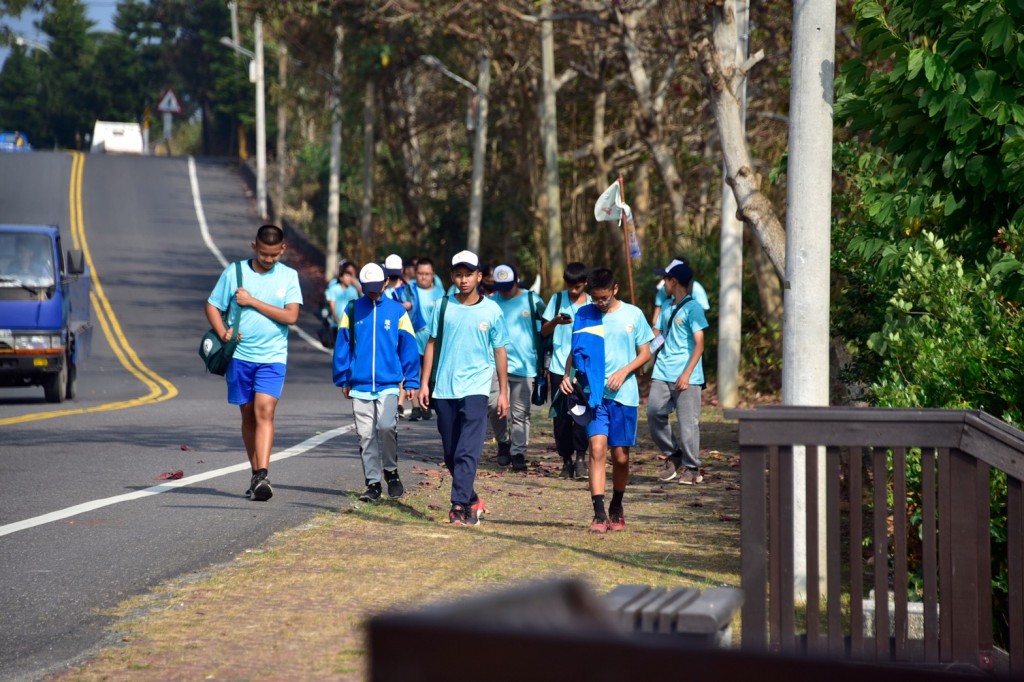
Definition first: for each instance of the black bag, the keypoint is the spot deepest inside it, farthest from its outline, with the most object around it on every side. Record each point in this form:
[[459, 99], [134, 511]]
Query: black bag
[[216, 354], [543, 346]]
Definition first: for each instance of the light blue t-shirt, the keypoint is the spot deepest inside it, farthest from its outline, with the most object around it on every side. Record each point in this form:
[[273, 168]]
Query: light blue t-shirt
[[263, 340], [561, 338], [341, 295], [428, 300], [471, 333], [679, 345], [661, 299], [522, 331], [624, 329]]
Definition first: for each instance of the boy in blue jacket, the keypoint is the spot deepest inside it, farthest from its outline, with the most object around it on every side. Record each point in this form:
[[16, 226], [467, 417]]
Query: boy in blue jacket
[[374, 354]]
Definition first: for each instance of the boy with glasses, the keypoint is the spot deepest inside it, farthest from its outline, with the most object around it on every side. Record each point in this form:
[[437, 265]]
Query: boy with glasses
[[611, 341]]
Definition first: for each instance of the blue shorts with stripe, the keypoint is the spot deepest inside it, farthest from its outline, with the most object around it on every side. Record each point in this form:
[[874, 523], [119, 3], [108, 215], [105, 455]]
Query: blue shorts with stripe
[[616, 421], [246, 379]]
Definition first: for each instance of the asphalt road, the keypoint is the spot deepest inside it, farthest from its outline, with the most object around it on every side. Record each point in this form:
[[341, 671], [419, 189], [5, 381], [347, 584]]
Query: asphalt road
[[135, 420]]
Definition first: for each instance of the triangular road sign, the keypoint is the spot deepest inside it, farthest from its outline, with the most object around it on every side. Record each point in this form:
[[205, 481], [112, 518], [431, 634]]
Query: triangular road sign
[[169, 103]]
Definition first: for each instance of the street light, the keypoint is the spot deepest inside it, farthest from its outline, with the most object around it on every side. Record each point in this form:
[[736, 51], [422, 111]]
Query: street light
[[261, 112], [22, 41], [480, 90]]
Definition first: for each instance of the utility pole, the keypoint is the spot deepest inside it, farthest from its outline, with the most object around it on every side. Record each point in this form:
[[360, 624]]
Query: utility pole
[[549, 137], [282, 128], [476, 193], [334, 183], [233, 6], [730, 292], [261, 125], [805, 332]]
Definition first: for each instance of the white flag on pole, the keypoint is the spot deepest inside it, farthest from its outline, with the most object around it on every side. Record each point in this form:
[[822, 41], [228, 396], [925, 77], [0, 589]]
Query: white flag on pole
[[608, 206]]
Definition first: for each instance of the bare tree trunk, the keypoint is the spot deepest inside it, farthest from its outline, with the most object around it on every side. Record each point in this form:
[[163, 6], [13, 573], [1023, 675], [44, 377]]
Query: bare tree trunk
[[366, 209], [650, 121], [725, 79], [549, 138], [769, 288], [334, 179], [282, 132]]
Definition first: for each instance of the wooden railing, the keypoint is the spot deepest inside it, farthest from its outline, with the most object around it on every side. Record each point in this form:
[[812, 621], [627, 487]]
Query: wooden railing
[[941, 540]]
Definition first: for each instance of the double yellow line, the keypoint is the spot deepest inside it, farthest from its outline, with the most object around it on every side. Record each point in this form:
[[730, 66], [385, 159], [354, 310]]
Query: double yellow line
[[159, 389]]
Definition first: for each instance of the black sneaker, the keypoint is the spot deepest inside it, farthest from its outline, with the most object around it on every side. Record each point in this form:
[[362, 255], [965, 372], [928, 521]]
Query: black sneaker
[[582, 467], [426, 414], [415, 415], [372, 494], [504, 454], [518, 463], [261, 492], [568, 468], [395, 487], [252, 484]]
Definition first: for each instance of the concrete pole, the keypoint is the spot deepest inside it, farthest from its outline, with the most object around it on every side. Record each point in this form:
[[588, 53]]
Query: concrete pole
[[369, 139], [549, 138], [261, 125], [233, 7], [334, 181], [805, 333], [282, 130], [730, 292], [476, 193]]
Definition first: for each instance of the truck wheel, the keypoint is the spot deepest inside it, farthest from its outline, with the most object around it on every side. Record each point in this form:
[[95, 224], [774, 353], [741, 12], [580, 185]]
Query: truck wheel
[[56, 385], [71, 391]]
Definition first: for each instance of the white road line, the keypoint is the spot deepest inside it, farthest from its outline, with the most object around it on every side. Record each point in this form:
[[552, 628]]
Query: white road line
[[302, 447], [205, 230]]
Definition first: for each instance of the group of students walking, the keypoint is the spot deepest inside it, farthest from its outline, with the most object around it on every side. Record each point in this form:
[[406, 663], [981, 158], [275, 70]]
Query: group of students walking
[[482, 352]]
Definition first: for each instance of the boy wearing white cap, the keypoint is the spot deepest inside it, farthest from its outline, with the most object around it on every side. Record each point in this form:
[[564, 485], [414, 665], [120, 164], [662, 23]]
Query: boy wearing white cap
[[466, 347], [678, 377], [522, 310], [375, 357]]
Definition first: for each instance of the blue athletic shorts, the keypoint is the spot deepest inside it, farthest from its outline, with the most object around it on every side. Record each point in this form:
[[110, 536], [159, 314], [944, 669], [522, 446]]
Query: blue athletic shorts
[[616, 421], [246, 379]]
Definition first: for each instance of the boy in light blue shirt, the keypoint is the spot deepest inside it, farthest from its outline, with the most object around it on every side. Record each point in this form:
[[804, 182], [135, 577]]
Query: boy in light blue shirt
[[269, 297], [617, 335], [678, 378], [466, 347], [522, 312], [570, 437], [429, 292]]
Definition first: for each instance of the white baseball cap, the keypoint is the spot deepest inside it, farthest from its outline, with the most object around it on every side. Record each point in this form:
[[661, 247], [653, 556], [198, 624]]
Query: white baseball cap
[[372, 278], [505, 278], [393, 265], [466, 258]]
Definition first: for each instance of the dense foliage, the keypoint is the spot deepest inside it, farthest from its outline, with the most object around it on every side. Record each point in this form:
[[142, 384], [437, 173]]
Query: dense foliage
[[928, 256]]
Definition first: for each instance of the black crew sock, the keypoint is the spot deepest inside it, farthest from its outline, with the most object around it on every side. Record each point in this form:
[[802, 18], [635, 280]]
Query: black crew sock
[[617, 500], [262, 473], [599, 511]]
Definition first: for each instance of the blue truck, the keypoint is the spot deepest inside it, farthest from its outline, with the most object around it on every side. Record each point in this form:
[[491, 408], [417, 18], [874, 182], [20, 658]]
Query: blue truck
[[45, 327]]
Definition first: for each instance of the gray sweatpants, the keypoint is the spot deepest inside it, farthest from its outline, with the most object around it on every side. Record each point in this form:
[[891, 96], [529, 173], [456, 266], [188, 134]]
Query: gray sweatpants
[[662, 401], [377, 426], [514, 428]]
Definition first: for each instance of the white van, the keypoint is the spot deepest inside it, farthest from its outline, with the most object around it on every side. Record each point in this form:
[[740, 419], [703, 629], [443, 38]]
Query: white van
[[110, 137]]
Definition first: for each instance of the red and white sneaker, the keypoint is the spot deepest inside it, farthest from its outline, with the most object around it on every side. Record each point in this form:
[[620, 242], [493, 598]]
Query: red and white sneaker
[[478, 509], [599, 525], [616, 520]]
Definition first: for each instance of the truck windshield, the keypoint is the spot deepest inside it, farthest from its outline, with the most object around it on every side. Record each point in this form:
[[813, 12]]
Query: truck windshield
[[26, 262]]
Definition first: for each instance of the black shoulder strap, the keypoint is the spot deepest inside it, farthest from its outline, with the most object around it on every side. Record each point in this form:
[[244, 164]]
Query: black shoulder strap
[[676, 309], [437, 342], [350, 313], [558, 303]]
